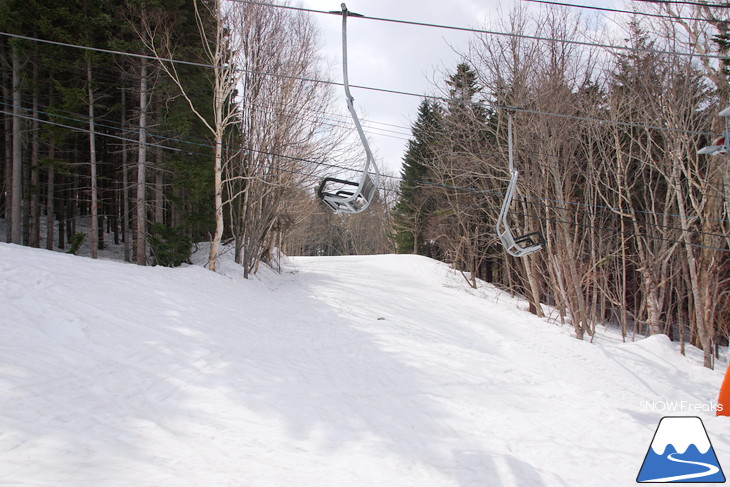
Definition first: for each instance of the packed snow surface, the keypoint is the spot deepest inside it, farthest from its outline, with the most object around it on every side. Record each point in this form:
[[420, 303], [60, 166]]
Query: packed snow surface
[[350, 371]]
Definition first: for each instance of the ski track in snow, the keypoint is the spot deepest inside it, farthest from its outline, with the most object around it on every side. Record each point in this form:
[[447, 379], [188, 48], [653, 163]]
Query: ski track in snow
[[357, 371]]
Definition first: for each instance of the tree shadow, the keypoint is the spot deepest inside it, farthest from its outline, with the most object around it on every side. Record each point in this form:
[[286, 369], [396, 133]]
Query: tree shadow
[[309, 381]]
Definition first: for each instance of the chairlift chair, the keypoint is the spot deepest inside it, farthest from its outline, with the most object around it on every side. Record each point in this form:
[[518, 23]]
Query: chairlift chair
[[522, 245], [721, 145], [342, 195]]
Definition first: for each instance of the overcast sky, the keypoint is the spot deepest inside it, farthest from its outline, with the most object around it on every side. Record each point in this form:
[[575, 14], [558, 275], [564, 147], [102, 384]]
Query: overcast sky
[[401, 57]]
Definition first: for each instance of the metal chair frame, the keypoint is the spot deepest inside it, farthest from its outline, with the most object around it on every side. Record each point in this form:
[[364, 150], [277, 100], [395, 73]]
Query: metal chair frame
[[721, 145], [514, 245], [351, 196]]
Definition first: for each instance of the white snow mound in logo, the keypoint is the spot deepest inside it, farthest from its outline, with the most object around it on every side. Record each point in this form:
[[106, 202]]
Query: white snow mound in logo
[[680, 432]]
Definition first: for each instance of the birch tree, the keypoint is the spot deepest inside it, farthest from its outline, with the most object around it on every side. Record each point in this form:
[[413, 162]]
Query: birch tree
[[218, 47]]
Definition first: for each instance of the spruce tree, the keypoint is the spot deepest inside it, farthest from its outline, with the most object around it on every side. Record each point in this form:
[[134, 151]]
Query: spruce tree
[[465, 119], [413, 207]]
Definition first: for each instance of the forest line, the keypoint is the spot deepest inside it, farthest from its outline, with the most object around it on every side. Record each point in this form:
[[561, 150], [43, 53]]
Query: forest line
[[227, 147]]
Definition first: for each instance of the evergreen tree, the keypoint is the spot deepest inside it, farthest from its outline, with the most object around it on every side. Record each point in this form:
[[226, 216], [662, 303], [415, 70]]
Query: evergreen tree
[[414, 204], [465, 120], [459, 225], [53, 149]]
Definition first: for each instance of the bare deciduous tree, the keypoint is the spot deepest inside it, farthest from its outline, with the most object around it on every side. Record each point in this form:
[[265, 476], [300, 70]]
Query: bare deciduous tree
[[218, 45], [283, 132]]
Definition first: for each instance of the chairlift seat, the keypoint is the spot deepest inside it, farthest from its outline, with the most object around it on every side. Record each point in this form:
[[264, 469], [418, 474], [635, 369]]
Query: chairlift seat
[[343, 200], [522, 245], [719, 147]]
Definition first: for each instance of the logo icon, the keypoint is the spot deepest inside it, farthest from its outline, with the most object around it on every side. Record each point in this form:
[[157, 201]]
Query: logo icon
[[681, 452]]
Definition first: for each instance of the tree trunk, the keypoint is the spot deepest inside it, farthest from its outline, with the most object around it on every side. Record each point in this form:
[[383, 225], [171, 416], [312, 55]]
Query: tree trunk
[[50, 185], [17, 173], [534, 286], [704, 329], [35, 204], [50, 196], [220, 113], [63, 201], [94, 228], [159, 189], [142, 169], [726, 186], [218, 181], [8, 166], [125, 183], [653, 308]]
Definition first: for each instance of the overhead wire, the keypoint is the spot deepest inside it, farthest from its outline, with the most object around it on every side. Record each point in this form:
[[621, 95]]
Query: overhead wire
[[555, 205], [391, 91], [493, 32], [338, 119], [588, 119], [188, 152], [611, 10], [166, 147], [365, 87], [197, 142], [156, 134], [603, 228], [687, 2], [85, 130], [205, 144], [537, 201]]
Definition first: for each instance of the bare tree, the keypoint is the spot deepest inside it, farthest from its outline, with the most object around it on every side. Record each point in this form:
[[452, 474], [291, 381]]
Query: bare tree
[[696, 182], [217, 44], [283, 129]]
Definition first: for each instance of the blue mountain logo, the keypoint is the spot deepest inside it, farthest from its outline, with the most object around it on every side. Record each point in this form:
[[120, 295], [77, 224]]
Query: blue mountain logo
[[681, 452]]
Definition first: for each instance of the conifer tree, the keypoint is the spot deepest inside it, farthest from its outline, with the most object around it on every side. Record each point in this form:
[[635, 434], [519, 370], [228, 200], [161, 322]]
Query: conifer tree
[[461, 227], [465, 119], [413, 207]]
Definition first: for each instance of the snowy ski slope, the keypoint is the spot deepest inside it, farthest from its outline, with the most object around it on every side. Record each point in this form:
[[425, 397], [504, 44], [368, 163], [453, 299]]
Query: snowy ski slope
[[351, 371]]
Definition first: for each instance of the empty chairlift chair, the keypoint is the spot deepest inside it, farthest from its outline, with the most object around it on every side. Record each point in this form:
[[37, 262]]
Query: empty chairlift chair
[[342, 195], [721, 145], [522, 245]]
